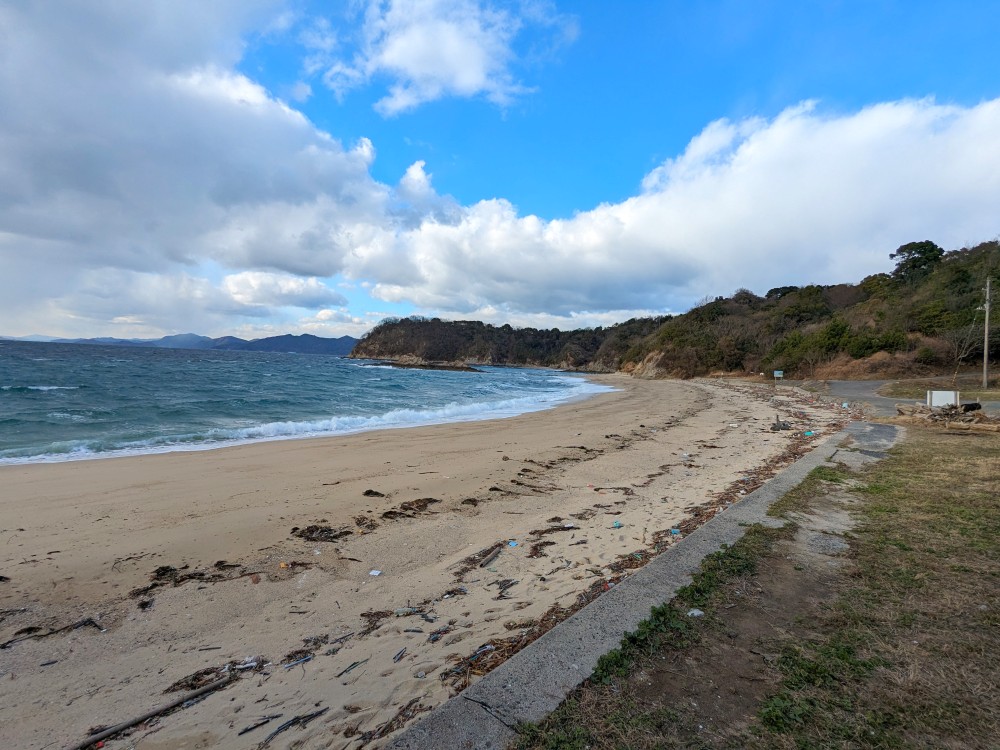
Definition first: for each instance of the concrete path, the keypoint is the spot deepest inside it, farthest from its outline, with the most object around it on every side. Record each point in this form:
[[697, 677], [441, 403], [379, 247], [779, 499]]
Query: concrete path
[[533, 682]]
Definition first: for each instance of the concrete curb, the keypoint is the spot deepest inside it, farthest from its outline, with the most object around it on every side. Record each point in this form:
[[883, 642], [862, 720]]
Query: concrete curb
[[533, 682]]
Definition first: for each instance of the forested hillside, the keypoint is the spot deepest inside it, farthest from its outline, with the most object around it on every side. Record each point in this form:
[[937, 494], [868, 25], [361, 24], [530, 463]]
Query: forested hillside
[[924, 317]]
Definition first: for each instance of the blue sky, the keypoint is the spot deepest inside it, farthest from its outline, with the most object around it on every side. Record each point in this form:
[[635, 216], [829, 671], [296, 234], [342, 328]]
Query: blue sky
[[265, 166]]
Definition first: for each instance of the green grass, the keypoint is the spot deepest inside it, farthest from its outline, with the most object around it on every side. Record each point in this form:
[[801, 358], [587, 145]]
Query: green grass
[[906, 646], [668, 626], [798, 498]]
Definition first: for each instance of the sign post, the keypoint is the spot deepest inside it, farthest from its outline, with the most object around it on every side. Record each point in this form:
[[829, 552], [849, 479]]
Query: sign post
[[778, 375]]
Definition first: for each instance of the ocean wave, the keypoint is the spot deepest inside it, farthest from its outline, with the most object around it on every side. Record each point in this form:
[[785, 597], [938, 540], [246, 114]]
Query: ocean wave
[[26, 388], [574, 388]]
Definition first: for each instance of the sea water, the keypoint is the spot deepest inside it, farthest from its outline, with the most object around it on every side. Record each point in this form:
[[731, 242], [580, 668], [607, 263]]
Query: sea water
[[71, 401]]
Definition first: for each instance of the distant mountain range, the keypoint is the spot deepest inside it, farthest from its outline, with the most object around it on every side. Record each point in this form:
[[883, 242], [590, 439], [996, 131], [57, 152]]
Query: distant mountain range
[[302, 344]]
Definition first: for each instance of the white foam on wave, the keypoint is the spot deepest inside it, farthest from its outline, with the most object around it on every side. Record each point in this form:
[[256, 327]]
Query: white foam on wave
[[39, 387], [577, 389]]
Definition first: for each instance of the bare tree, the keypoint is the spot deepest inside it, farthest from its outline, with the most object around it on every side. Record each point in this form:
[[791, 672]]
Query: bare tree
[[961, 343]]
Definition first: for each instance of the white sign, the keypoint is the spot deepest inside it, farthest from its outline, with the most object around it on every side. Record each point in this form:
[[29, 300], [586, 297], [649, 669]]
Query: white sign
[[943, 398]]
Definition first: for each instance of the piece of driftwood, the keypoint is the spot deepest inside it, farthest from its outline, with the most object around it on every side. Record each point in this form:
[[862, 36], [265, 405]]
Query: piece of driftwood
[[36, 633], [110, 731], [300, 720], [972, 427], [491, 557], [259, 723]]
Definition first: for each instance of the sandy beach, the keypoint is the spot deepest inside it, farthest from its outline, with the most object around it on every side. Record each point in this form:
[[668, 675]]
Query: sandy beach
[[182, 568]]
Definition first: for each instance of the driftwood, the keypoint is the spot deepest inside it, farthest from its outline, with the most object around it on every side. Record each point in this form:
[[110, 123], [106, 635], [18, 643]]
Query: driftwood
[[300, 720], [969, 413], [972, 427], [103, 735], [491, 557], [36, 633]]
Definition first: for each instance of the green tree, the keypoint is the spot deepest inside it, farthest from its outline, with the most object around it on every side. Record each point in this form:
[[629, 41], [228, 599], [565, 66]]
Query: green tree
[[916, 259]]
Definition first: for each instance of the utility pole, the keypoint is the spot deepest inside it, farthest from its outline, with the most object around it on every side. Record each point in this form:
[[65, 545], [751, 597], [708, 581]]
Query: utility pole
[[986, 338]]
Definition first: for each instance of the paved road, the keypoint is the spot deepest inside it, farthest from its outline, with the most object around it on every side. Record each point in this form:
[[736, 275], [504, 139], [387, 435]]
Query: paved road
[[865, 391]]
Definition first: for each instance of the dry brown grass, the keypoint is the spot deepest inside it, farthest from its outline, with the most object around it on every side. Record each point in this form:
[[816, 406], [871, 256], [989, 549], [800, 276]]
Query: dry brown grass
[[970, 385]]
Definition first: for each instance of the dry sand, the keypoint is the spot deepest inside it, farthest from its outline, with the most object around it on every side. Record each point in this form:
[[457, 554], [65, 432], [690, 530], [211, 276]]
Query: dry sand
[[78, 539]]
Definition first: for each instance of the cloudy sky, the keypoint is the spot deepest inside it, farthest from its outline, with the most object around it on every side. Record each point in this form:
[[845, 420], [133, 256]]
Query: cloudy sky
[[254, 167]]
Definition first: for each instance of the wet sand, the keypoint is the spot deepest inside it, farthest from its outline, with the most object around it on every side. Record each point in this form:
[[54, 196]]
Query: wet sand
[[188, 561]]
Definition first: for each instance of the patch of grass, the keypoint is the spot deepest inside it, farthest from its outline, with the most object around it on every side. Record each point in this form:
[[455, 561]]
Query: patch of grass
[[836, 475], [905, 651], [668, 626], [578, 724], [798, 498], [970, 387]]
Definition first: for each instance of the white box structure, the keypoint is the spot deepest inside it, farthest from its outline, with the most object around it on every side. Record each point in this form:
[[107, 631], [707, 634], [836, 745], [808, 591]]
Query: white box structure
[[943, 398]]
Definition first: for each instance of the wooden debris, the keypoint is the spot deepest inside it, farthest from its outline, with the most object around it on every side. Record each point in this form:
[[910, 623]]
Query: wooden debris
[[492, 556], [366, 523], [261, 722], [474, 560], [537, 547], [111, 731], [552, 530], [404, 714], [301, 721], [316, 533], [353, 666], [32, 632], [374, 620]]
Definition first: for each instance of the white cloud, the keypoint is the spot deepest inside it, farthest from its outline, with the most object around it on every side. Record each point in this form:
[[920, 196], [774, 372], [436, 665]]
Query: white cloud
[[432, 49], [499, 316], [280, 290], [148, 187], [129, 304], [300, 92], [129, 145], [806, 197]]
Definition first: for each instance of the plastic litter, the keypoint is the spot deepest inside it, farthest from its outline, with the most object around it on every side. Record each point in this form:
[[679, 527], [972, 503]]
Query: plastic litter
[[303, 660], [695, 613], [512, 543], [675, 532], [374, 572], [808, 433], [617, 524]]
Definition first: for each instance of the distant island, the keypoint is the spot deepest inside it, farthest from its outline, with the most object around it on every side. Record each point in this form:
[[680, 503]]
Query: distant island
[[302, 344]]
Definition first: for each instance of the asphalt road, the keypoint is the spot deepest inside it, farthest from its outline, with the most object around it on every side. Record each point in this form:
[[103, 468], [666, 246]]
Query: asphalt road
[[865, 391]]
